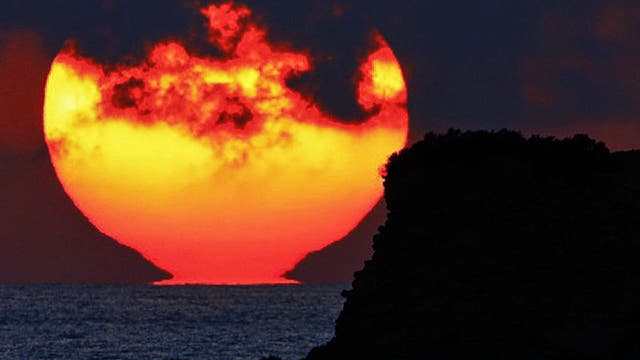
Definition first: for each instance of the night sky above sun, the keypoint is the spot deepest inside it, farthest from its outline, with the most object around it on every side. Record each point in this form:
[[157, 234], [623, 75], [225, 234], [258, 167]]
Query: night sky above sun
[[212, 167], [222, 142]]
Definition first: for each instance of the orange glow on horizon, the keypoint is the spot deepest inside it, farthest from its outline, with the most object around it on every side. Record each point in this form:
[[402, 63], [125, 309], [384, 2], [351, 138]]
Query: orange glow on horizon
[[213, 168]]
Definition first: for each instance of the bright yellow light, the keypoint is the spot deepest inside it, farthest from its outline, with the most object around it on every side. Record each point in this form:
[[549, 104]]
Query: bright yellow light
[[214, 169]]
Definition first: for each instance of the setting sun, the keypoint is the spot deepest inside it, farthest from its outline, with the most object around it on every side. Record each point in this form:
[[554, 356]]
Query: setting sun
[[213, 168]]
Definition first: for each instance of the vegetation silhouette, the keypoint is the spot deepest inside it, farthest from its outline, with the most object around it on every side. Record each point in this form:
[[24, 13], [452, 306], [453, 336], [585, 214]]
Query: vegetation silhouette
[[502, 247]]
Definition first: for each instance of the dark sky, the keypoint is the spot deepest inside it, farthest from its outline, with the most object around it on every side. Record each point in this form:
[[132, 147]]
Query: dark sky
[[554, 67]]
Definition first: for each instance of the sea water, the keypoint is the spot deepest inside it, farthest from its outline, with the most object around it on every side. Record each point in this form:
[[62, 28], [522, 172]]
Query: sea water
[[165, 322]]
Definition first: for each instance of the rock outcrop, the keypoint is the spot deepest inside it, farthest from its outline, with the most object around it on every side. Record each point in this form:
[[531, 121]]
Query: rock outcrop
[[44, 238], [501, 247]]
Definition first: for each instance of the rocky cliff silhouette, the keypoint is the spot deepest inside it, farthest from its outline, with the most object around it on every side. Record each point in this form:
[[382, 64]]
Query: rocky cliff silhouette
[[496, 246]]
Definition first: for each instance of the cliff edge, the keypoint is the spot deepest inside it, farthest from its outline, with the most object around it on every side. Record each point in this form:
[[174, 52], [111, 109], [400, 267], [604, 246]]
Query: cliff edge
[[501, 246]]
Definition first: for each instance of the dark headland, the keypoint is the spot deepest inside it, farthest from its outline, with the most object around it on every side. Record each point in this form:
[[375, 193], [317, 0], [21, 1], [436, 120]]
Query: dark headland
[[44, 238], [497, 246]]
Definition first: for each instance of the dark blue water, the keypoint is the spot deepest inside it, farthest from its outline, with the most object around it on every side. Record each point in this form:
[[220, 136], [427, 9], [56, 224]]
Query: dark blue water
[[165, 322]]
